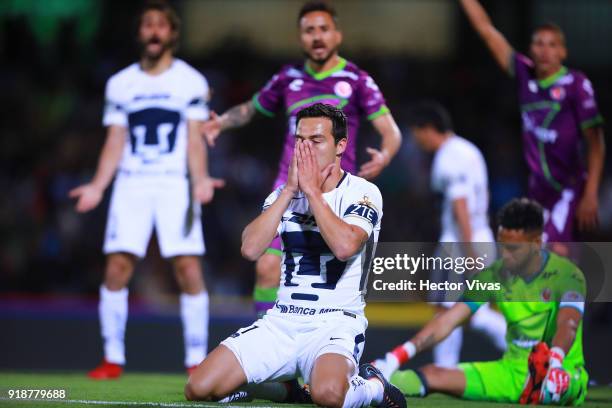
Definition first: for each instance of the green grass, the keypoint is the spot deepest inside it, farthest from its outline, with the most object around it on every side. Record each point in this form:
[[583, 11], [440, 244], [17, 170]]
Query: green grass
[[166, 390]]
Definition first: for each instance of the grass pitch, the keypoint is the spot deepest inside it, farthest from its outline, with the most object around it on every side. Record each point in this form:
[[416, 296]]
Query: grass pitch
[[166, 390]]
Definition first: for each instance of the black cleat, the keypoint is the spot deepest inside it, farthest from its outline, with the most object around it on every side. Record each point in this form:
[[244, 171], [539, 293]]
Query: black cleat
[[392, 397], [296, 393]]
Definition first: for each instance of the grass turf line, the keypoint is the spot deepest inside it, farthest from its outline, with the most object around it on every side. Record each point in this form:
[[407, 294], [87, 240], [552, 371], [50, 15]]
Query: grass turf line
[[135, 390]]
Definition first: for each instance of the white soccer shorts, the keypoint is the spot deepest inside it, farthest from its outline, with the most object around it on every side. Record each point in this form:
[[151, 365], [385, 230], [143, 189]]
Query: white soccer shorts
[[139, 203], [281, 347]]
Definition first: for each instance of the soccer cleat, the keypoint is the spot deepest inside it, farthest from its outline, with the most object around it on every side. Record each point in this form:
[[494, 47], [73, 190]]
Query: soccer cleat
[[238, 396], [387, 365], [537, 368], [106, 371], [392, 397], [297, 394]]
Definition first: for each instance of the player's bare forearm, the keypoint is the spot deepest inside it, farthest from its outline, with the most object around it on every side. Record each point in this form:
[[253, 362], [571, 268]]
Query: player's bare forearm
[[109, 157], [261, 231], [391, 136], [495, 41], [440, 326], [596, 154], [462, 216], [237, 116], [568, 321], [343, 239], [197, 153]]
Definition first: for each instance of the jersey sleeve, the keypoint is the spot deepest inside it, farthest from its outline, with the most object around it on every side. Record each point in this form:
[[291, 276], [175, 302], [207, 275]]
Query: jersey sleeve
[[197, 106], [269, 99], [114, 110], [363, 208], [454, 178], [476, 298], [585, 106], [520, 67], [571, 289], [370, 99], [269, 201]]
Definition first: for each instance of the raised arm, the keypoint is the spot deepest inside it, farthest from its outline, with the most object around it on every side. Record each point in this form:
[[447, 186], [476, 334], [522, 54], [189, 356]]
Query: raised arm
[[234, 117], [90, 194], [495, 41], [257, 235], [391, 141]]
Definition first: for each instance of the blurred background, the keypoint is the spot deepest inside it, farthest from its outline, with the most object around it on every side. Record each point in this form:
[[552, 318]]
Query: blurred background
[[57, 55]]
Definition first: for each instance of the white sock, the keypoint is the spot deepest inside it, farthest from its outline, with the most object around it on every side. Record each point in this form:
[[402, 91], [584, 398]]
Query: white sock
[[113, 312], [194, 313], [492, 324], [446, 353], [363, 393]]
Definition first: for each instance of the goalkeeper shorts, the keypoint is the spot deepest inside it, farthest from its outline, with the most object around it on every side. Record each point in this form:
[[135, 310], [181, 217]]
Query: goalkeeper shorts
[[503, 380]]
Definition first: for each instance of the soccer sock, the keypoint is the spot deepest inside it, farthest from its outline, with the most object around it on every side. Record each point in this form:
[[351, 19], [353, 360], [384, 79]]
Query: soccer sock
[[264, 299], [363, 393], [113, 312], [492, 324], [194, 314], [271, 391], [410, 383], [446, 353]]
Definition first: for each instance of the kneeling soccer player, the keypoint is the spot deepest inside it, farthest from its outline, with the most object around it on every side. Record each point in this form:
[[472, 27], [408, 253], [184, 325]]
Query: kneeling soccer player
[[542, 299], [328, 221]]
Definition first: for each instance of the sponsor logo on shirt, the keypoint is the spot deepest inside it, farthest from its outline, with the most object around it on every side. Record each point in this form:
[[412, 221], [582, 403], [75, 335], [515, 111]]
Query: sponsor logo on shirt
[[557, 93]]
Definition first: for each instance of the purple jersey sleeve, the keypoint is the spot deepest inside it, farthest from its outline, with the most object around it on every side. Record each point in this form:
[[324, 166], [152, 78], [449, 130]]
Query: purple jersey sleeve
[[269, 99], [520, 67], [371, 101], [585, 105]]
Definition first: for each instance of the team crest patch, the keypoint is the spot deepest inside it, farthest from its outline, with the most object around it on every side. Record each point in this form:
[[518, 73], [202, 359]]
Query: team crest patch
[[343, 89], [557, 93], [546, 294]]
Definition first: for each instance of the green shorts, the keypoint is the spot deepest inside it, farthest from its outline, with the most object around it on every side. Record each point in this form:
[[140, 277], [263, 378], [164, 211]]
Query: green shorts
[[503, 381]]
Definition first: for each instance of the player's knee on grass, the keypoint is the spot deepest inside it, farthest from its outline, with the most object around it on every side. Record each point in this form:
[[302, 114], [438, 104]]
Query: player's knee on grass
[[267, 271], [329, 393], [188, 272], [119, 269]]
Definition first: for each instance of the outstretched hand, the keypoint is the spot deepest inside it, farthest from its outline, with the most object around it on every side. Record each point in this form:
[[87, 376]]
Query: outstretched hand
[[375, 165], [204, 189], [88, 197], [211, 128]]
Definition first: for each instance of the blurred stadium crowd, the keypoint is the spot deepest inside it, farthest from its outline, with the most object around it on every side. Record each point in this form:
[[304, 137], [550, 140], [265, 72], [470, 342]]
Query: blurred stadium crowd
[[55, 64]]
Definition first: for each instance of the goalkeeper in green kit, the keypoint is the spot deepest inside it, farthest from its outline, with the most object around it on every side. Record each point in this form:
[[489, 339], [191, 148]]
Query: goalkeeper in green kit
[[542, 299]]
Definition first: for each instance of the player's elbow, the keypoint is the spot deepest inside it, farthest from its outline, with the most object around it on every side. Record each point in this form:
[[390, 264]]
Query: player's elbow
[[249, 251], [345, 250]]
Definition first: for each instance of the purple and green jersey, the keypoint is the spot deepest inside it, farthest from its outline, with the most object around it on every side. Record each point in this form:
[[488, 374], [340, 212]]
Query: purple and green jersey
[[345, 86], [555, 111]]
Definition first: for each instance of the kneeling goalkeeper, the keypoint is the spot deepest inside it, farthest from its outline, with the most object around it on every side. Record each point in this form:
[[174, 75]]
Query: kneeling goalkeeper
[[542, 300]]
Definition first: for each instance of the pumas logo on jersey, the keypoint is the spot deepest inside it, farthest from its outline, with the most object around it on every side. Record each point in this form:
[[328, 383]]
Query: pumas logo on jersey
[[364, 209], [557, 93], [343, 89], [303, 219]]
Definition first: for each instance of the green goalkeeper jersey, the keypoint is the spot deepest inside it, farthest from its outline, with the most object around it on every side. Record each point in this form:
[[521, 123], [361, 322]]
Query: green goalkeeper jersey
[[530, 306]]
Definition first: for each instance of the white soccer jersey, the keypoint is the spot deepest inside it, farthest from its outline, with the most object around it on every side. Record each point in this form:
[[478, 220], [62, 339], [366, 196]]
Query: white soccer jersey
[[155, 109], [311, 277], [459, 171]]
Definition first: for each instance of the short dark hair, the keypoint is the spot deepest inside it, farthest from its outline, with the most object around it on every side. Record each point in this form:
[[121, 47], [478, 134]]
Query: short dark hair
[[521, 214], [321, 110], [550, 26], [163, 7], [324, 6], [430, 113]]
